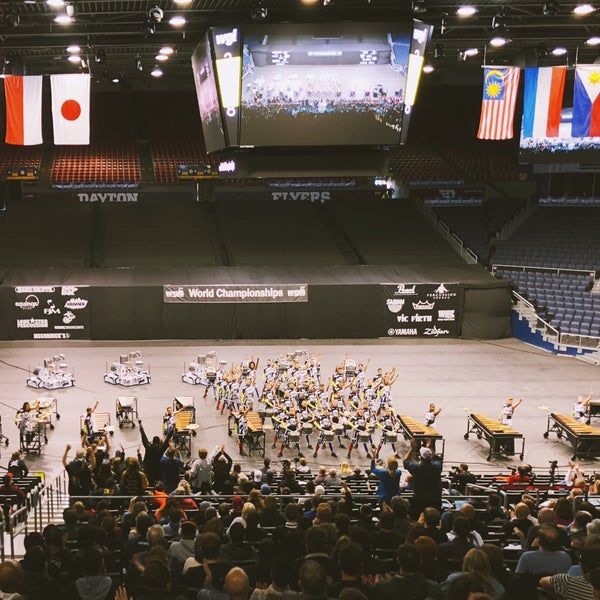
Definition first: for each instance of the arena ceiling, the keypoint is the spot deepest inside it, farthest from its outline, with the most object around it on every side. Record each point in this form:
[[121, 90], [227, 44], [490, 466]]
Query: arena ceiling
[[115, 40]]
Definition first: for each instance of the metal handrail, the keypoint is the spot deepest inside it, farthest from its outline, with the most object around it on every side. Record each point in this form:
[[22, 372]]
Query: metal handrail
[[17, 524], [534, 268]]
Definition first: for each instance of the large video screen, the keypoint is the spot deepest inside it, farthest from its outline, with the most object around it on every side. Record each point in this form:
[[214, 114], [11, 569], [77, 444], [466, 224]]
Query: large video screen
[[208, 97], [324, 84], [567, 136]]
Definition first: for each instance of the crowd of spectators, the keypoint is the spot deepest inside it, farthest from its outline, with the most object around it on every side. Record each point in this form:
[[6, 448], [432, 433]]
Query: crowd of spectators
[[153, 527]]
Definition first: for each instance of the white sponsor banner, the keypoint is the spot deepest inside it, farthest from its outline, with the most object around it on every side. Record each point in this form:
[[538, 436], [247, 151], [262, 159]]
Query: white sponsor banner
[[233, 294]]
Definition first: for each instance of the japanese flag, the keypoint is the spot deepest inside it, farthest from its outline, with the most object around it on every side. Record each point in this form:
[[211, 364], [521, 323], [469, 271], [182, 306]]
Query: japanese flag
[[71, 109], [23, 110]]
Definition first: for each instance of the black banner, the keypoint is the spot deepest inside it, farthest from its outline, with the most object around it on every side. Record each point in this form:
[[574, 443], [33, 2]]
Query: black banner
[[55, 312], [421, 310]]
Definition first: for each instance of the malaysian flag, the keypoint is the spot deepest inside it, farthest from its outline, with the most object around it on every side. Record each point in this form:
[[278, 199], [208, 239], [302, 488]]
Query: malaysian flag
[[500, 86]]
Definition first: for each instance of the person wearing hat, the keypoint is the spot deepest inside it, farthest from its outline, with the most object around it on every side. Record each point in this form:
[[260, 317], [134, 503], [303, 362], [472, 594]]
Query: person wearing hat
[[426, 478]]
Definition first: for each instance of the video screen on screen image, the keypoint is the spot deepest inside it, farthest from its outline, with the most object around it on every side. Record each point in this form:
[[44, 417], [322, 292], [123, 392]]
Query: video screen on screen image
[[324, 84], [208, 97]]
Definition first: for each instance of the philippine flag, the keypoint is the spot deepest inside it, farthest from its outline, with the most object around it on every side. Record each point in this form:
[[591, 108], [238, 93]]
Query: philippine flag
[[542, 105], [586, 105], [71, 109], [23, 110]]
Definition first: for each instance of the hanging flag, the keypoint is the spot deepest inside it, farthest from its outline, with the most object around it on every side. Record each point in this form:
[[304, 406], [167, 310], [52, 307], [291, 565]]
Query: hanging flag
[[500, 86], [586, 105], [71, 109], [23, 110], [542, 104]]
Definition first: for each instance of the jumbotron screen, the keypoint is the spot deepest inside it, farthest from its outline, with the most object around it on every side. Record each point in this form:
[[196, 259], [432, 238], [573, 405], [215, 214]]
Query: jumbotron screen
[[208, 97], [324, 84]]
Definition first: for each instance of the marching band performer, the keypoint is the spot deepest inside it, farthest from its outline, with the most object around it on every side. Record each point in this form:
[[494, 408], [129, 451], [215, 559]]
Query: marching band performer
[[291, 434], [168, 422], [360, 433], [24, 419], [506, 419], [241, 425], [580, 408], [306, 423], [431, 415], [389, 432], [325, 427]]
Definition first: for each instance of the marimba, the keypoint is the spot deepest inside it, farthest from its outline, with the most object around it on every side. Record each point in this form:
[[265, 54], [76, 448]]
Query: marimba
[[501, 438], [256, 434], [413, 429], [584, 438]]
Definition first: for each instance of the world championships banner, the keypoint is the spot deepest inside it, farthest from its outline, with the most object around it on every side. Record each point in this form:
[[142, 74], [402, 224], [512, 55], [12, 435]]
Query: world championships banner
[[235, 294], [421, 309], [52, 312]]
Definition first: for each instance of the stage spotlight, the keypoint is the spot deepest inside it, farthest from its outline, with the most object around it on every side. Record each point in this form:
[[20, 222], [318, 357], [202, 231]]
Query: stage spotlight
[[12, 20], [258, 12], [419, 7], [156, 14], [551, 9]]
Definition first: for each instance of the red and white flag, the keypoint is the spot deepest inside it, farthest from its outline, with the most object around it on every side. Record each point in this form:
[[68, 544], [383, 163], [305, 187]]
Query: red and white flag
[[71, 109], [500, 85], [23, 110]]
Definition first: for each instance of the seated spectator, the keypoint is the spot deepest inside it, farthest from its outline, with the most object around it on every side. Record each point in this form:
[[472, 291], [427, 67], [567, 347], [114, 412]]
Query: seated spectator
[[431, 566], [312, 580], [494, 512], [520, 524], [236, 584], [94, 584], [171, 527], [157, 583], [11, 580], [467, 587], [271, 516], [460, 544], [460, 478], [183, 549], [400, 508], [408, 583], [477, 565], [567, 586], [37, 584], [549, 559], [280, 580], [545, 517], [430, 518], [333, 480], [350, 560], [383, 536], [237, 550], [8, 488]]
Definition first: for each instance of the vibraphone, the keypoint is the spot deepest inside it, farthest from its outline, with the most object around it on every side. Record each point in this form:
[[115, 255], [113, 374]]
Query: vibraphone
[[413, 429], [584, 439], [501, 438]]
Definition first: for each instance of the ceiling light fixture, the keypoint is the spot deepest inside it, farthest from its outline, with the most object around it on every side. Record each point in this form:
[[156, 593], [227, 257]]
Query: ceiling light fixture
[[63, 19], [593, 41], [161, 57], [74, 58], [156, 72], [166, 50], [73, 49], [559, 51], [428, 68], [584, 9], [55, 3], [177, 21], [466, 11]]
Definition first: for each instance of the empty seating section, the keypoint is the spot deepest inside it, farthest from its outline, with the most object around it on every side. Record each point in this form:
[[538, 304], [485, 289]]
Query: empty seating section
[[558, 239], [476, 225], [385, 232], [547, 239], [176, 136], [419, 162], [45, 234], [112, 155], [275, 233], [561, 299], [159, 234], [19, 156]]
